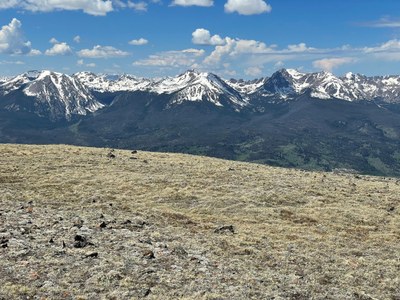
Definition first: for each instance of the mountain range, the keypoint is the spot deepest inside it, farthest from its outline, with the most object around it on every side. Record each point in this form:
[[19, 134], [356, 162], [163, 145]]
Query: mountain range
[[294, 119]]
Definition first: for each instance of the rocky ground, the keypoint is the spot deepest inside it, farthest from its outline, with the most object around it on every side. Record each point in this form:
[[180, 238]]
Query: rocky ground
[[85, 223]]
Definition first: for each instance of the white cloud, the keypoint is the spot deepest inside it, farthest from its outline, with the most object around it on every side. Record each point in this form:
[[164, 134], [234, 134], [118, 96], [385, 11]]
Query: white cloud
[[253, 71], [247, 7], [202, 36], [92, 7], [328, 64], [389, 46], [53, 41], [205, 3], [58, 48], [383, 23], [102, 52], [77, 39], [138, 42], [250, 46], [236, 47], [183, 58], [140, 6], [4, 4], [302, 47], [81, 63], [34, 52], [387, 51], [7, 62], [12, 39]]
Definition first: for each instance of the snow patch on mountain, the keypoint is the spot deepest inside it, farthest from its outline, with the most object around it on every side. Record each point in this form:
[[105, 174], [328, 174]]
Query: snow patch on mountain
[[198, 86], [246, 87], [55, 94], [113, 83]]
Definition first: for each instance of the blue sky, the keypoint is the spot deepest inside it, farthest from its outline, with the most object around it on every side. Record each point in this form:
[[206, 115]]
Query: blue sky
[[233, 38]]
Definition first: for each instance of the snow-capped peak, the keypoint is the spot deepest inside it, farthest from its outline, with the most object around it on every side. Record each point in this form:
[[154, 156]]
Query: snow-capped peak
[[295, 74], [57, 95], [112, 83], [198, 86]]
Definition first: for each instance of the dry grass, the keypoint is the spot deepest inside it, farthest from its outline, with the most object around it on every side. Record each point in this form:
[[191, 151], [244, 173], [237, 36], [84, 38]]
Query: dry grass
[[298, 235]]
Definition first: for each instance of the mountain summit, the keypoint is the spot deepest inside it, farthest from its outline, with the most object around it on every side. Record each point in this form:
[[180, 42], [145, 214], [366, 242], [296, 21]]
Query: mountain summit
[[52, 94]]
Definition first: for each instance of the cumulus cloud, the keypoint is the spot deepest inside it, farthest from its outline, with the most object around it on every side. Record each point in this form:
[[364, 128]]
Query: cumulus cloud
[[139, 42], [58, 48], [12, 39], [81, 63], [4, 4], [204, 3], [328, 64], [183, 58], [140, 6], [202, 36], [53, 41], [102, 52], [247, 7], [235, 47], [77, 39], [302, 47], [92, 7], [34, 52]]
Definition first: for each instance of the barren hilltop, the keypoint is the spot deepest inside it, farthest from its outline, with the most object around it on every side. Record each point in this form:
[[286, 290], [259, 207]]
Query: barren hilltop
[[94, 223]]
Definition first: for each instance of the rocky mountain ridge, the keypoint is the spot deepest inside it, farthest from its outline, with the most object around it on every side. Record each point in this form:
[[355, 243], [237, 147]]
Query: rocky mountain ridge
[[62, 96]]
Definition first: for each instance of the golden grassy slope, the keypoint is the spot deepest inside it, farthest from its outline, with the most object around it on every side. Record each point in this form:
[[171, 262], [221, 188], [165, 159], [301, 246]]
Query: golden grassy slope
[[298, 235]]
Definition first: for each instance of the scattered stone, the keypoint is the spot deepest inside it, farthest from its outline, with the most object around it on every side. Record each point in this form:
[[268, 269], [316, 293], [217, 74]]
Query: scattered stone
[[180, 252], [392, 208], [225, 229], [103, 225], [148, 254], [139, 223], [133, 157], [145, 161], [4, 243], [146, 241], [51, 241], [231, 169], [134, 152], [78, 223], [127, 222], [92, 255], [80, 241], [145, 292], [111, 155]]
